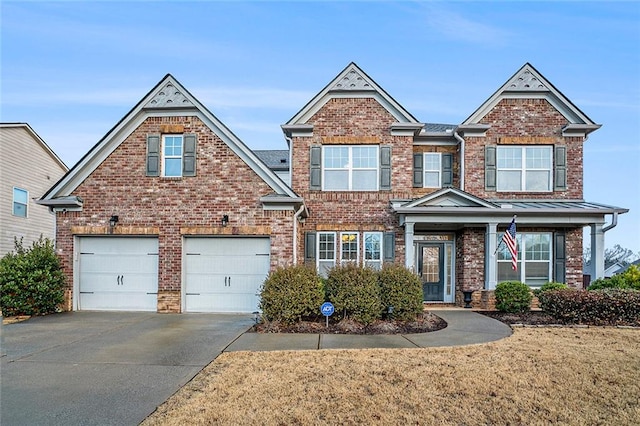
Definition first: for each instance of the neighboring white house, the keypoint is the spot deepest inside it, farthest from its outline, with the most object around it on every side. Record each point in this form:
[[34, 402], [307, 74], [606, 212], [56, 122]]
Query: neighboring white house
[[28, 167]]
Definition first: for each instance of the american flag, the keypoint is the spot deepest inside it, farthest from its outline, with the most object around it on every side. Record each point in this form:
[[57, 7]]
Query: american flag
[[509, 238]]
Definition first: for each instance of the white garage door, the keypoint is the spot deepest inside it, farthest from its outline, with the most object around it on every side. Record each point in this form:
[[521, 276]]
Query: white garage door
[[118, 273], [225, 274]]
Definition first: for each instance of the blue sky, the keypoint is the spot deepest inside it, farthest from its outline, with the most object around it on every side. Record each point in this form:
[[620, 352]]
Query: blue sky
[[73, 69]]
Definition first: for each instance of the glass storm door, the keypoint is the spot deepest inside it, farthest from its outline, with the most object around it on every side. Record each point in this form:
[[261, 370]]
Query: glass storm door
[[431, 271]]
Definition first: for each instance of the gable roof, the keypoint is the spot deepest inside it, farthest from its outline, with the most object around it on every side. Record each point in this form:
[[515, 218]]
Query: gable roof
[[449, 197], [275, 159], [352, 82], [527, 82], [26, 127], [167, 98]]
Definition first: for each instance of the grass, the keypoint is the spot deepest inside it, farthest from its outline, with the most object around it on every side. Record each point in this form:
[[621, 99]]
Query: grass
[[536, 376]]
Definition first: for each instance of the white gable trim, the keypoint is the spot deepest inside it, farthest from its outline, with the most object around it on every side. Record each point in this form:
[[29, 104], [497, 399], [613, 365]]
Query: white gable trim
[[121, 131], [544, 90], [449, 197], [367, 88]]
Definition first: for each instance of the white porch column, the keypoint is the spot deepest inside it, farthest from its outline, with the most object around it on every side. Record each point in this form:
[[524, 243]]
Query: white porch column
[[491, 265], [597, 251], [408, 246]]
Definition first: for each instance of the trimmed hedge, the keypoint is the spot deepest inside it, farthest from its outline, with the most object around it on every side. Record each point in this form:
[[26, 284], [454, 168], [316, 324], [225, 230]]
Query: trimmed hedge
[[291, 294], [513, 297], [600, 307], [401, 289], [354, 291], [628, 279], [31, 280], [550, 286]]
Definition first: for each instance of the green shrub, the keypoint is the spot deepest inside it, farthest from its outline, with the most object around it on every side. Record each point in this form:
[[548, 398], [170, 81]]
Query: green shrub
[[616, 281], [31, 280], [401, 289], [599, 307], [550, 286], [291, 294], [354, 292], [513, 297], [632, 277]]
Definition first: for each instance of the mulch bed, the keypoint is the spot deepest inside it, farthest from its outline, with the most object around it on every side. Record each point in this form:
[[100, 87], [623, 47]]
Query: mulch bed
[[540, 318], [425, 323]]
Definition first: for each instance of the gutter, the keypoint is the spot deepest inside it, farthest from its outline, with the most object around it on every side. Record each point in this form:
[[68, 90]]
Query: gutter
[[461, 139]]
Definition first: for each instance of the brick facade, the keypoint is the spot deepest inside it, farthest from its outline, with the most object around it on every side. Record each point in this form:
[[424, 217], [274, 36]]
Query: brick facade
[[174, 207]]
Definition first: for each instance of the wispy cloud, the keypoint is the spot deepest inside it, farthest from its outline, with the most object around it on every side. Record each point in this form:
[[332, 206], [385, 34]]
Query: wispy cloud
[[455, 26]]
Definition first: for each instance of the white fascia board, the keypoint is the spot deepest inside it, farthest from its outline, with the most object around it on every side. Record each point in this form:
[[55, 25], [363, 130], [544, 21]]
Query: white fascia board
[[444, 218]]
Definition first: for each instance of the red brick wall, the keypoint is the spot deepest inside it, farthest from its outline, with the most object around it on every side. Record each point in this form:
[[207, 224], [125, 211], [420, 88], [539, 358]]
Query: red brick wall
[[470, 247], [573, 266], [521, 122], [155, 205], [353, 121]]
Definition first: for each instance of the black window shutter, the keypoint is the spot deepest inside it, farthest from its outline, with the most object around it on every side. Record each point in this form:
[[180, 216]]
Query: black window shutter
[[189, 156], [559, 257], [315, 168], [385, 167], [560, 169], [153, 155], [417, 171], [447, 170], [389, 247], [310, 247], [490, 168]]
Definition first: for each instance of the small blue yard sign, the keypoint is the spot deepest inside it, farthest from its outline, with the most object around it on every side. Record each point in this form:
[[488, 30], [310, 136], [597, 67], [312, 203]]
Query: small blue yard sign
[[327, 310]]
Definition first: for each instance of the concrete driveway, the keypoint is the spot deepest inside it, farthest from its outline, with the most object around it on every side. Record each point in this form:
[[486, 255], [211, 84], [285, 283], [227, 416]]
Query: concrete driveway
[[104, 367]]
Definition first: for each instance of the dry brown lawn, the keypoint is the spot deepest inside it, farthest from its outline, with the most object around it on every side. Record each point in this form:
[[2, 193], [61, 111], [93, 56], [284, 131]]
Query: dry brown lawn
[[536, 376]]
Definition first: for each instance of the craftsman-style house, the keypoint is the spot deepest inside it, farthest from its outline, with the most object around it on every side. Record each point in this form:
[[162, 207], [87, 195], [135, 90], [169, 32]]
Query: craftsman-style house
[[170, 211]]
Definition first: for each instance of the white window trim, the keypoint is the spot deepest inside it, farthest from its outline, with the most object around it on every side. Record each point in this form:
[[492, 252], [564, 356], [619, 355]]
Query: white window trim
[[522, 263], [335, 249], [364, 248], [425, 170], [350, 167], [164, 157], [14, 202], [523, 169], [357, 260]]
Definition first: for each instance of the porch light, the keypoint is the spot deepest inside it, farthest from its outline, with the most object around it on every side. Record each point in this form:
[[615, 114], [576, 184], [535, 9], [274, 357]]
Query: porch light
[[113, 221], [225, 220]]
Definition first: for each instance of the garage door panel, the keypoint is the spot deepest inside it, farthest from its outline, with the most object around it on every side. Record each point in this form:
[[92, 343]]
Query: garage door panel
[[225, 274], [118, 273]]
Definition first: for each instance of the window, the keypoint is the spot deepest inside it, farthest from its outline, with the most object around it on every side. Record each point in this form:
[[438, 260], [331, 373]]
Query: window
[[350, 168], [172, 155], [348, 247], [326, 252], [20, 202], [524, 168], [373, 250], [535, 268], [432, 168]]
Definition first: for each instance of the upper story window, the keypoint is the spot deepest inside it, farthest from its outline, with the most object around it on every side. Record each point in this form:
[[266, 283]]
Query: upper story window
[[432, 170], [350, 168], [172, 155], [20, 202], [524, 168]]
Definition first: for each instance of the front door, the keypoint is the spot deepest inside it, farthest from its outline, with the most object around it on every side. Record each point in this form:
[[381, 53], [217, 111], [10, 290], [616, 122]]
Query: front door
[[431, 270]]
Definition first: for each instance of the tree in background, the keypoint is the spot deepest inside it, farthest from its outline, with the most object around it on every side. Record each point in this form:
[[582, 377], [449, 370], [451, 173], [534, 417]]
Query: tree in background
[[623, 256]]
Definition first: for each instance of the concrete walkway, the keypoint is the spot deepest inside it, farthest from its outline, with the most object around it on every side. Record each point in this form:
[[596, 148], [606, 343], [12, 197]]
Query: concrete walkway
[[464, 327]]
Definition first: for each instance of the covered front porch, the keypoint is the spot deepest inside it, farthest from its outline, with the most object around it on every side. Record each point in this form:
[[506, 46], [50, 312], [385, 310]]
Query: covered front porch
[[452, 240]]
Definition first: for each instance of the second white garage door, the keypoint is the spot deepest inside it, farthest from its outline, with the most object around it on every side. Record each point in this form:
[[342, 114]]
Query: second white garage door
[[225, 274]]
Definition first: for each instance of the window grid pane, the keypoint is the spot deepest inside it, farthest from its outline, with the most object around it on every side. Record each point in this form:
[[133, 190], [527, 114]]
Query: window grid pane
[[535, 269], [524, 168], [350, 168], [20, 201], [326, 248], [172, 152], [349, 247]]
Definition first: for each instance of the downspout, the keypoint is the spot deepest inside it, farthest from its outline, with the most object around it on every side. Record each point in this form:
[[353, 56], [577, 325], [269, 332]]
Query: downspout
[[295, 234], [614, 223], [461, 140]]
